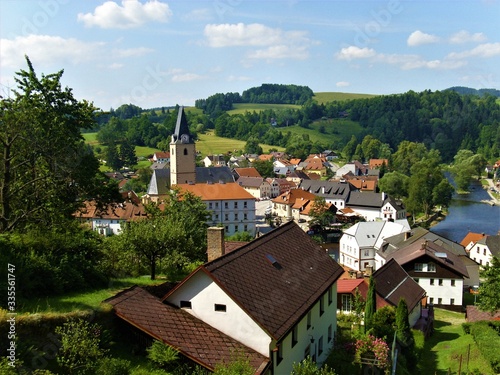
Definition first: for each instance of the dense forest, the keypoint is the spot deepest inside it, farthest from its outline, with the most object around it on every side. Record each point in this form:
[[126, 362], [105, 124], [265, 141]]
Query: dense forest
[[478, 92], [266, 93]]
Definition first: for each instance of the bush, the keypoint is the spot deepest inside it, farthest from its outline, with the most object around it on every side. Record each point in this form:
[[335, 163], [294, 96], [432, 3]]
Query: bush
[[466, 328], [488, 342], [383, 322], [163, 355], [113, 366]]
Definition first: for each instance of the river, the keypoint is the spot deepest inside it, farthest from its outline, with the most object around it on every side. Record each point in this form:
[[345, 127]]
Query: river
[[468, 214]]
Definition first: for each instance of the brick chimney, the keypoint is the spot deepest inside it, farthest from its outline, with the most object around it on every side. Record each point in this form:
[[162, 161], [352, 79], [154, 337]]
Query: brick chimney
[[368, 270], [215, 243]]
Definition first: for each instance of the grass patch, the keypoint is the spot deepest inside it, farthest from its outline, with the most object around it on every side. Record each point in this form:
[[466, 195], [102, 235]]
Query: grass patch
[[209, 144], [443, 349], [241, 108], [82, 300], [326, 97]]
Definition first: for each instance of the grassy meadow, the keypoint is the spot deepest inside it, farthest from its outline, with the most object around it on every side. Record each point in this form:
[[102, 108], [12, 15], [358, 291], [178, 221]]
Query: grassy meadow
[[208, 143], [325, 97], [241, 108]]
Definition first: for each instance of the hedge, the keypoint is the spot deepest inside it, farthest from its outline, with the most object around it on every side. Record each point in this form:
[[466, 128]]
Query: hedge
[[488, 341]]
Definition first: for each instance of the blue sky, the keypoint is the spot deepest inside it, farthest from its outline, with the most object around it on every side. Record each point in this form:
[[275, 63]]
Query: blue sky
[[156, 53]]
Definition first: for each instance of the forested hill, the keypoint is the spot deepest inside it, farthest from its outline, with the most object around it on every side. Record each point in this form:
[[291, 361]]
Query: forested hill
[[214, 105], [469, 91]]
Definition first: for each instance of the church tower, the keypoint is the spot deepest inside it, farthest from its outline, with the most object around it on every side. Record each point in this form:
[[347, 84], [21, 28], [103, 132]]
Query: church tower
[[182, 153]]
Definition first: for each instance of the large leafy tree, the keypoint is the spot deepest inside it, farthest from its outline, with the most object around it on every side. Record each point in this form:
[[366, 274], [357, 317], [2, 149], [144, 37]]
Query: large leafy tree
[[322, 213], [45, 165], [176, 234], [489, 290]]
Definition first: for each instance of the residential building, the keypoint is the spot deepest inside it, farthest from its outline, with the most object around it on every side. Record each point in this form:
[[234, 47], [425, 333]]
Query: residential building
[[334, 192], [161, 157], [214, 160], [274, 299], [484, 249], [359, 244], [377, 163], [376, 206], [257, 186], [245, 172], [470, 240], [289, 205], [436, 269]]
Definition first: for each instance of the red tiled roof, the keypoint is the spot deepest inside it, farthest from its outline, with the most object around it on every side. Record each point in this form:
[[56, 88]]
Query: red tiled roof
[[217, 191], [471, 237], [192, 337], [121, 211], [345, 286], [247, 172], [276, 295]]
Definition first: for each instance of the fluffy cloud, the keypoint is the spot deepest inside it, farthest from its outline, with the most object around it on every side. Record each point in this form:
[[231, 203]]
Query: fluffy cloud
[[418, 38], [278, 44], [353, 53], [132, 13], [482, 51], [45, 49], [186, 77], [464, 36], [343, 84]]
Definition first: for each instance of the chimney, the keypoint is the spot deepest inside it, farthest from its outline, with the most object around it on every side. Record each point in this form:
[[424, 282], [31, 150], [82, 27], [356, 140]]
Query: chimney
[[368, 270], [215, 243], [407, 235]]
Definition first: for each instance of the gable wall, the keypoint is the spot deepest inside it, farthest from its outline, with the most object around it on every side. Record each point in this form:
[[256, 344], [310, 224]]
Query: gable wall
[[204, 293]]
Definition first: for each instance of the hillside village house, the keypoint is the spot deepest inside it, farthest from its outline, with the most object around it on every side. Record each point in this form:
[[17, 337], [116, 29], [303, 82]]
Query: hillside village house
[[292, 205], [359, 244], [376, 206], [484, 249], [231, 206], [273, 299], [436, 269], [161, 157], [258, 187], [391, 284], [334, 192], [470, 240], [214, 160]]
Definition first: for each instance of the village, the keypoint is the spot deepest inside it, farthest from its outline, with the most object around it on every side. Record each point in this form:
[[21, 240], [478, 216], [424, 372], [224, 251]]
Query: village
[[277, 298]]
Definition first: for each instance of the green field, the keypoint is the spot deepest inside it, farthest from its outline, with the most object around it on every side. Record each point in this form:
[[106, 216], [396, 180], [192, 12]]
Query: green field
[[210, 144], [241, 108], [325, 97]]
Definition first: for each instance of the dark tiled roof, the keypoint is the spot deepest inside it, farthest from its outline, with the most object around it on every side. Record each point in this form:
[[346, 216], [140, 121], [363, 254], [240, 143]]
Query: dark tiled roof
[[250, 182], [327, 189], [180, 330], [493, 243], [473, 314], [366, 199], [276, 295], [393, 283]]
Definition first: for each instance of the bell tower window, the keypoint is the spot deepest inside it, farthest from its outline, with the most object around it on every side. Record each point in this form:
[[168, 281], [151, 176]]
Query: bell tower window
[[185, 151]]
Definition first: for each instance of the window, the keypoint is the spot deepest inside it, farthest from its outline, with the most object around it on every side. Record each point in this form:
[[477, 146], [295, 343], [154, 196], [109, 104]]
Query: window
[[440, 282], [210, 205], [245, 204], [279, 354], [216, 204], [308, 320], [431, 300], [431, 267], [452, 301], [185, 151], [330, 296], [295, 336], [330, 333], [185, 304], [235, 204], [440, 300], [226, 217], [419, 267], [245, 228], [226, 205], [367, 252], [236, 217], [321, 305], [477, 249], [320, 345], [432, 282], [452, 282], [220, 307], [484, 251]]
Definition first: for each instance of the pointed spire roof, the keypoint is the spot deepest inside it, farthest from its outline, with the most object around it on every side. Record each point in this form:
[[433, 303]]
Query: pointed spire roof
[[181, 128]]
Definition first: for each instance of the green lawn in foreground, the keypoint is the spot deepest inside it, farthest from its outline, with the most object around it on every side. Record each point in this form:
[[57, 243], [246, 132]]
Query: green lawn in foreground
[[82, 300], [443, 349]]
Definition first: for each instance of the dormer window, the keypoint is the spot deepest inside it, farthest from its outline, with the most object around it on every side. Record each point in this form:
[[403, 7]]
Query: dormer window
[[220, 307]]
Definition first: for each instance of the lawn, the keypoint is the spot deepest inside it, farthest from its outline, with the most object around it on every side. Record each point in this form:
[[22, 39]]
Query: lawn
[[449, 345], [82, 300], [325, 97], [241, 108], [209, 144]]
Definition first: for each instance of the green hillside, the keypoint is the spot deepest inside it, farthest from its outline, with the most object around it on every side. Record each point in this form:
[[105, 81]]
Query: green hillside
[[208, 143], [325, 97]]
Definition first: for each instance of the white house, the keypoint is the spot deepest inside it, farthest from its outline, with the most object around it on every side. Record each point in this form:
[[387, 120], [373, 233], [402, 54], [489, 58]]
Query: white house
[[375, 206], [257, 186], [359, 244], [275, 297], [484, 249]]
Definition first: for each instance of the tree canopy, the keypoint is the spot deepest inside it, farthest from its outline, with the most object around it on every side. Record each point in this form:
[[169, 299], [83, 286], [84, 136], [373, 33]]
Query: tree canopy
[[489, 290]]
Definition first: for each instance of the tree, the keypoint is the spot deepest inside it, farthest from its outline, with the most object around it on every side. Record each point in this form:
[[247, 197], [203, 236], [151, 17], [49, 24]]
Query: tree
[[264, 167], [113, 159], [404, 334], [252, 146], [308, 367], [45, 166], [489, 289], [350, 148], [371, 304], [127, 154], [383, 322], [322, 213], [177, 234], [395, 184]]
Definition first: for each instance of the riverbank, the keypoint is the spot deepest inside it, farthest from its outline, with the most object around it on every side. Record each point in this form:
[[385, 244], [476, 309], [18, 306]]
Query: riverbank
[[491, 189]]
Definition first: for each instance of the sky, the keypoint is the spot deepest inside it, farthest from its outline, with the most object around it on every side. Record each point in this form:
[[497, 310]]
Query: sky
[[155, 53]]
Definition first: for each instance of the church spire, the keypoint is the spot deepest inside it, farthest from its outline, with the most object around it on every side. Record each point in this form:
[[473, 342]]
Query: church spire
[[181, 133]]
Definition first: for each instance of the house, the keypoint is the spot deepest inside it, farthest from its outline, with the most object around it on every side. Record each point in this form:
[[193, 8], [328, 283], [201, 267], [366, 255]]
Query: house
[[297, 176], [230, 205], [377, 163], [273, 299], [362, 183], [359, 244], [484, 249], [436, 269], [330, 155], [275, 187], [284, 185], [161, 157], [470, 240], [245, 172], [257, 186], [419, 234], [283, 167], [391, 284], [289, 204], [355, 167], [315, 165], [375, 206], [334, 192], [214, 160], [108, 221]]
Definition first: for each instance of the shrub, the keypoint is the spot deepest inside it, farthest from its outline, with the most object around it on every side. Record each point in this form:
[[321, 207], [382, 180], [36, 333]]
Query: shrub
[[466, 328], [372, 345], [488, 342], [383, 321], [113, 366], [308, 367], [161, 354]]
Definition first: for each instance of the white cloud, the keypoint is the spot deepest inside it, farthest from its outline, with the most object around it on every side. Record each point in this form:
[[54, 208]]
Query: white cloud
[[482, 51], [353, 52], [464, 36], [418, 38], [132, 13], [278, 44], [186, 77], [343, 84], [46, 49], [132, 52]]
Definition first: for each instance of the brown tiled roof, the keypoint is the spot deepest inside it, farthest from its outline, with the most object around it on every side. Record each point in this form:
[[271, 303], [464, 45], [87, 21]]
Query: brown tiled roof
[[122, 211], [393, 283], [250, 182], [247, 172], [217, 191], [348, 285], [277, 277], [471, 237], [473, 314], [190, 336], [291, 196], [232, 245], [375, 163]]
